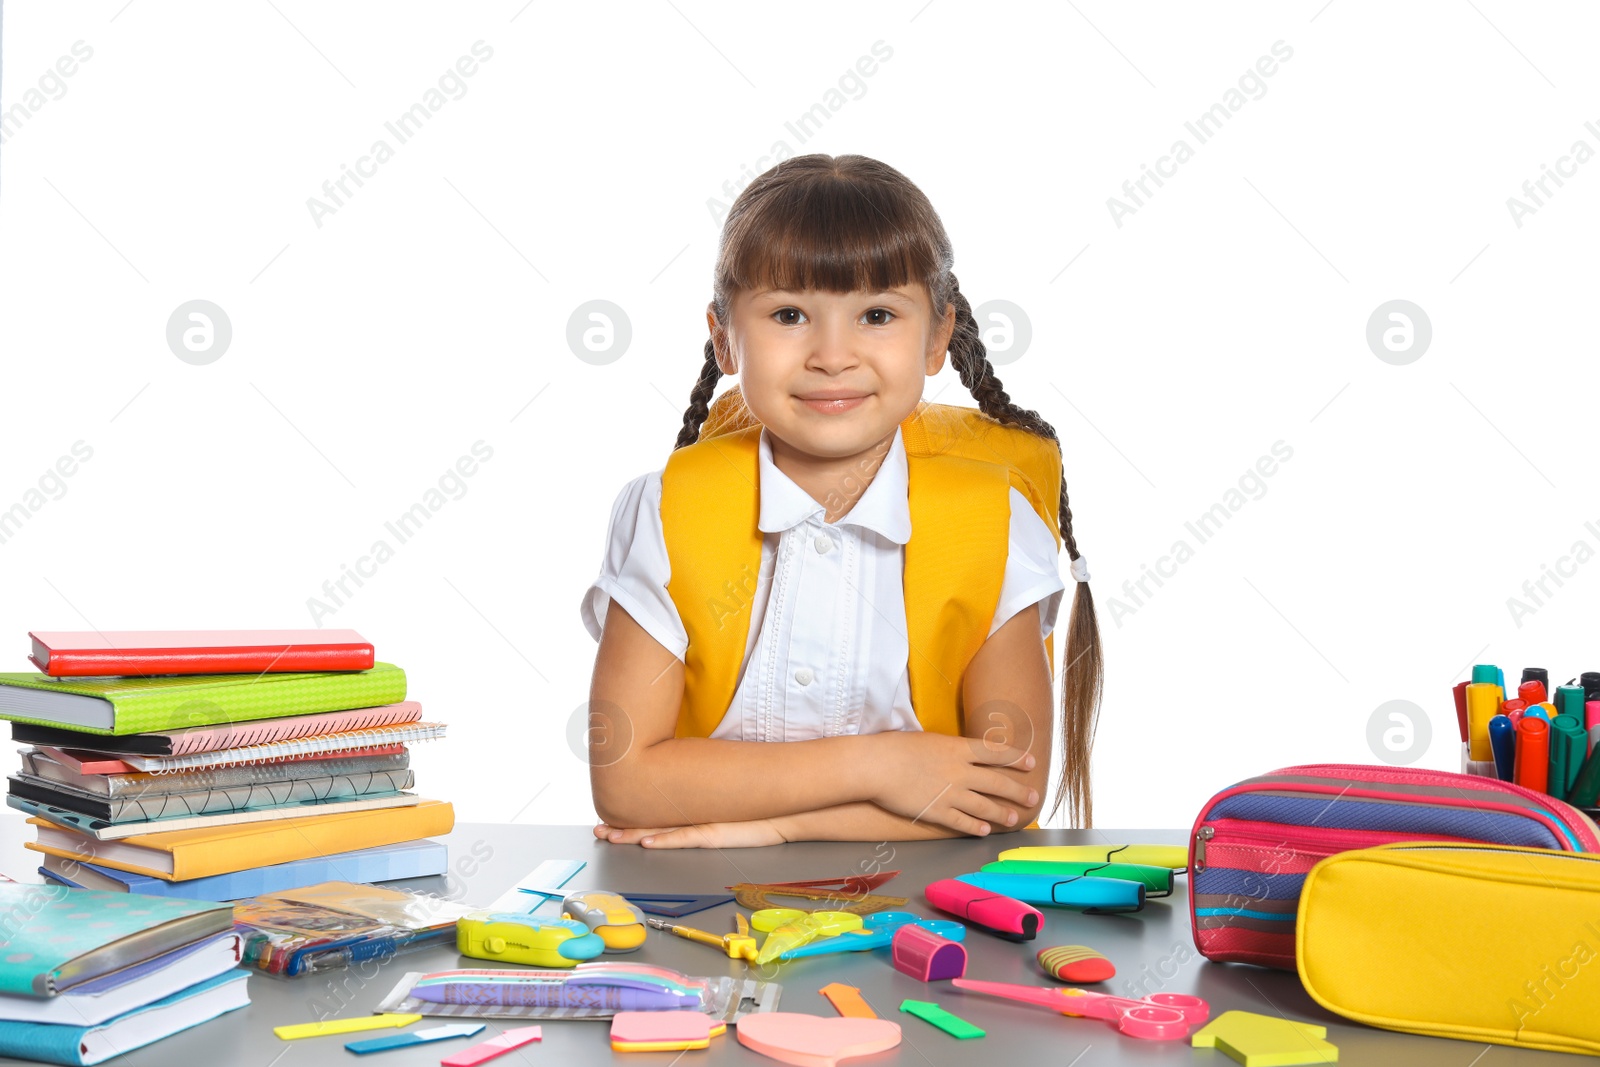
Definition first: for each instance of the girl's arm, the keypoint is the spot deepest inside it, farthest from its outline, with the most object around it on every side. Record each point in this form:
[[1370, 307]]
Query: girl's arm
[[1007, 691], [644, 776]]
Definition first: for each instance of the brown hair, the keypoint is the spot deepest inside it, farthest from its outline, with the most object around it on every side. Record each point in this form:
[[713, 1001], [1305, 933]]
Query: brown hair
[[850, 223]]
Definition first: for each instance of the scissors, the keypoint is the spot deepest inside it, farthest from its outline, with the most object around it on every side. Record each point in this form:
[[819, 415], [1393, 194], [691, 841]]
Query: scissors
[[790, 928], [879, 934], [1158, 1017], [738, 946]]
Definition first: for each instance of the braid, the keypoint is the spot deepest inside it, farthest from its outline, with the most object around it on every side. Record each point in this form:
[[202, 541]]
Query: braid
[[1083, 670], [700, 399]]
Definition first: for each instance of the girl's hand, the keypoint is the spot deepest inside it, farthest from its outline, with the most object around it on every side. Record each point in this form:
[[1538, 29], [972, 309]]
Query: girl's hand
[[706, 835], [956, 782]]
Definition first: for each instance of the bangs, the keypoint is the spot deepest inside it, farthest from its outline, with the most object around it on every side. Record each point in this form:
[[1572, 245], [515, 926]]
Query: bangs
[[831, 233]]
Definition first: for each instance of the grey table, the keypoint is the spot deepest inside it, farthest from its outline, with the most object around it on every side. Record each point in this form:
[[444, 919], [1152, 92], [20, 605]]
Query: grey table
[[1151, 949]]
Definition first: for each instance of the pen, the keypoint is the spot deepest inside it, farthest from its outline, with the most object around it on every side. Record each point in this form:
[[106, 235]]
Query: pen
[[1537, 674], [614, 992], [1483, 703]]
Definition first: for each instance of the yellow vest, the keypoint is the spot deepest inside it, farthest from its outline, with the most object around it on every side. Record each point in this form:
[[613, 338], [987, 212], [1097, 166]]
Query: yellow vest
[[960, 467]]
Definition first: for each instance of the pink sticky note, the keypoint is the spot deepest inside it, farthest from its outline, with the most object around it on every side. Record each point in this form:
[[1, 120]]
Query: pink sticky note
[[498, 1046]]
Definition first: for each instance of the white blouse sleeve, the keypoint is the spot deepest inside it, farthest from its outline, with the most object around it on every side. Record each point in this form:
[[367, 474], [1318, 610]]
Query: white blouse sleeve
[[1032, 576], [635, 569]]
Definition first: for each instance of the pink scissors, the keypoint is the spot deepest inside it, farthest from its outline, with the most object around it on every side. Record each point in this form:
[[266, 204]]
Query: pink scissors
[[1158, 1017]]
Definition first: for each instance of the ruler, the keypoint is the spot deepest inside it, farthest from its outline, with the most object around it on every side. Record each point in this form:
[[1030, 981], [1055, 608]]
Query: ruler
[[543, 884]]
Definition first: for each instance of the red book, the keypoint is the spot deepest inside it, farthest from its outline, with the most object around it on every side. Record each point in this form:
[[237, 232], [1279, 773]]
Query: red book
[[65, 654]]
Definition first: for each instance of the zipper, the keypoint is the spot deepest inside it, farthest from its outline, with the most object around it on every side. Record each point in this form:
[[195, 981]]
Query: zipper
[[1580, 827], [1204, 834], [1337, 839]]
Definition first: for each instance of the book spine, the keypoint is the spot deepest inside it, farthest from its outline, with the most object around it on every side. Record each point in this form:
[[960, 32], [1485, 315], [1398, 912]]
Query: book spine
[[259, 732], [248, 797], [174, 707], [288, 750], [142, 784], [70, 663], [365, 866]]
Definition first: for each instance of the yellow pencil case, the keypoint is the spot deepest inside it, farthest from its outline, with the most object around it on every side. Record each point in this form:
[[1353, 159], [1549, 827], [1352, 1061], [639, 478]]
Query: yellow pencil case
[[1486, 943]]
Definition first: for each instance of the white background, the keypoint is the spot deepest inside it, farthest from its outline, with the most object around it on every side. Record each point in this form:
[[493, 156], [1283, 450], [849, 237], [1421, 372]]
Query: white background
[[429, 312]]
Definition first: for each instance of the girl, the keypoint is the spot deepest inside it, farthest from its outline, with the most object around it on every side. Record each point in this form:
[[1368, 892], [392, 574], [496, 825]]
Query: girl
[[766, 585]]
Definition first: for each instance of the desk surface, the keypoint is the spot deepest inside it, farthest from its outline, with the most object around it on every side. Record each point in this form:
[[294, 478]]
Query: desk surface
[[1152, 949]]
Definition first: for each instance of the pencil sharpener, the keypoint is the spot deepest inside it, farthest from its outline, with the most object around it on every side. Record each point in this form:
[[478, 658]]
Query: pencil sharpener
[[514, 938], [610, 916]]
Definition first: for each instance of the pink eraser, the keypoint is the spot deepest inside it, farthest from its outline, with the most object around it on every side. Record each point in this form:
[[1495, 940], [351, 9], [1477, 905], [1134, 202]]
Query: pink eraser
[[925, 955]]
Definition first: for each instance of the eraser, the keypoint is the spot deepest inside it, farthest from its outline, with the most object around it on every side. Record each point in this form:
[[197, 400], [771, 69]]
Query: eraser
[[1075, 963]]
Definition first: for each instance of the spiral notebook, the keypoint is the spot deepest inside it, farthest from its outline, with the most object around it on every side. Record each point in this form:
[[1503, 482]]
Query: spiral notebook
[[189, 739], [289, 749]]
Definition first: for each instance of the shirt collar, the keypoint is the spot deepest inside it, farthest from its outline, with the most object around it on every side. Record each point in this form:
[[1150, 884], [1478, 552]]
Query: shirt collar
[[883, 507]]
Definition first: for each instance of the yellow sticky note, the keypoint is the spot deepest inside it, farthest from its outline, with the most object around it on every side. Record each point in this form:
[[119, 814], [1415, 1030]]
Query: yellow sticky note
[[1266, 1040], [344, 1026]]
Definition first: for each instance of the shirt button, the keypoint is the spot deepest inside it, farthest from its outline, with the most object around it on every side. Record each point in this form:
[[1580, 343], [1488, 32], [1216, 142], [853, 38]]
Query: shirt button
[[803, 675], [824, 542]]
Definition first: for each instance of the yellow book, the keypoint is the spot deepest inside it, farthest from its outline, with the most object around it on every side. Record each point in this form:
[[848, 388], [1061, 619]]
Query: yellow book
[[180, 855]]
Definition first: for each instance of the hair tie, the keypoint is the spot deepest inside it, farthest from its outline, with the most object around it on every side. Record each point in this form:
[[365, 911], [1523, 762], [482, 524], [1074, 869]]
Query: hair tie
[[1080, 568]]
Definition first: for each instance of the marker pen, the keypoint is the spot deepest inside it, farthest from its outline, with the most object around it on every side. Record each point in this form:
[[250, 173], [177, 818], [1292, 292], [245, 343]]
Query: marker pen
[[1531, 692], [1532, 769], [995, 912], [1483, 703], [1536, 674], [1460, 692], [1569, 699], [1503, 739]]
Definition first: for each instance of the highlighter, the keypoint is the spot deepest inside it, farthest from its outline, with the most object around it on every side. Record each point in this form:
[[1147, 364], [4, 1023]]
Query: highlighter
[[1503, 739], [996, 913], [1483, 704], [1532, 768], [1093, 895]]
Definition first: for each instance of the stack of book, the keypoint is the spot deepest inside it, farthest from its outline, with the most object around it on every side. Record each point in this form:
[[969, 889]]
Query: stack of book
[[219, 765], [85, 976]]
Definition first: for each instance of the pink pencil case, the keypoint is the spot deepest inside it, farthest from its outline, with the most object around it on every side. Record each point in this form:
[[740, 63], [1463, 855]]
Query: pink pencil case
[[1254, 842]]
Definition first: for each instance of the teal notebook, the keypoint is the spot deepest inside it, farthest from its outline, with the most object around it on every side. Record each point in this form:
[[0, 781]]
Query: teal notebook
[[129, 705], [83, 1045], [53, 938]]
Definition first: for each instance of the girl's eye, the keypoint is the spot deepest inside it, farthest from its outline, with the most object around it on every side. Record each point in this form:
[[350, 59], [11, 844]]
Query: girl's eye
[[885, 312], [781, 314]]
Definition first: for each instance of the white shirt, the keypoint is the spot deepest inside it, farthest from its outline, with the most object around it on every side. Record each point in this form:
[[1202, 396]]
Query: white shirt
[[830, 653]]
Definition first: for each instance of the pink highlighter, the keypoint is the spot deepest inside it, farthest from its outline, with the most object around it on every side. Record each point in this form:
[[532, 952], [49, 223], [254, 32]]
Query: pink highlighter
[[1000, 915]]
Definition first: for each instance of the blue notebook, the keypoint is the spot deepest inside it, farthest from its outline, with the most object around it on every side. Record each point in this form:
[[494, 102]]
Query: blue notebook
[[83, 1045], [408, 859]]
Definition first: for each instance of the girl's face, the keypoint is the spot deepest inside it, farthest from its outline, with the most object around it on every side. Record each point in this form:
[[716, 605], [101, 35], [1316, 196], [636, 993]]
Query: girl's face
[[832, 374]]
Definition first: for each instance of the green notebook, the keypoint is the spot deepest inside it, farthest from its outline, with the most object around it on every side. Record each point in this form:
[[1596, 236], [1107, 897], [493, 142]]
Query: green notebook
[[53, 938], [129, 705]]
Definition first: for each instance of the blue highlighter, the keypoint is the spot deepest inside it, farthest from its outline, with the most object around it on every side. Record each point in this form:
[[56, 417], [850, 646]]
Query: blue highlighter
[[1086, 892]]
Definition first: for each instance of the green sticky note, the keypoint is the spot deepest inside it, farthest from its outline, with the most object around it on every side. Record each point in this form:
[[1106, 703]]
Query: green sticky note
[[930, 1012]]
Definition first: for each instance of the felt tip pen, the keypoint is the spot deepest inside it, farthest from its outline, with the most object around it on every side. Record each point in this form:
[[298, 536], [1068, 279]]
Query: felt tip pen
[[1483, 704], [613, 997], [999, 914], [1503, 739], [1537, 674], [1460, 694], [1531, 692], [1590, 680], [1533, 752]]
